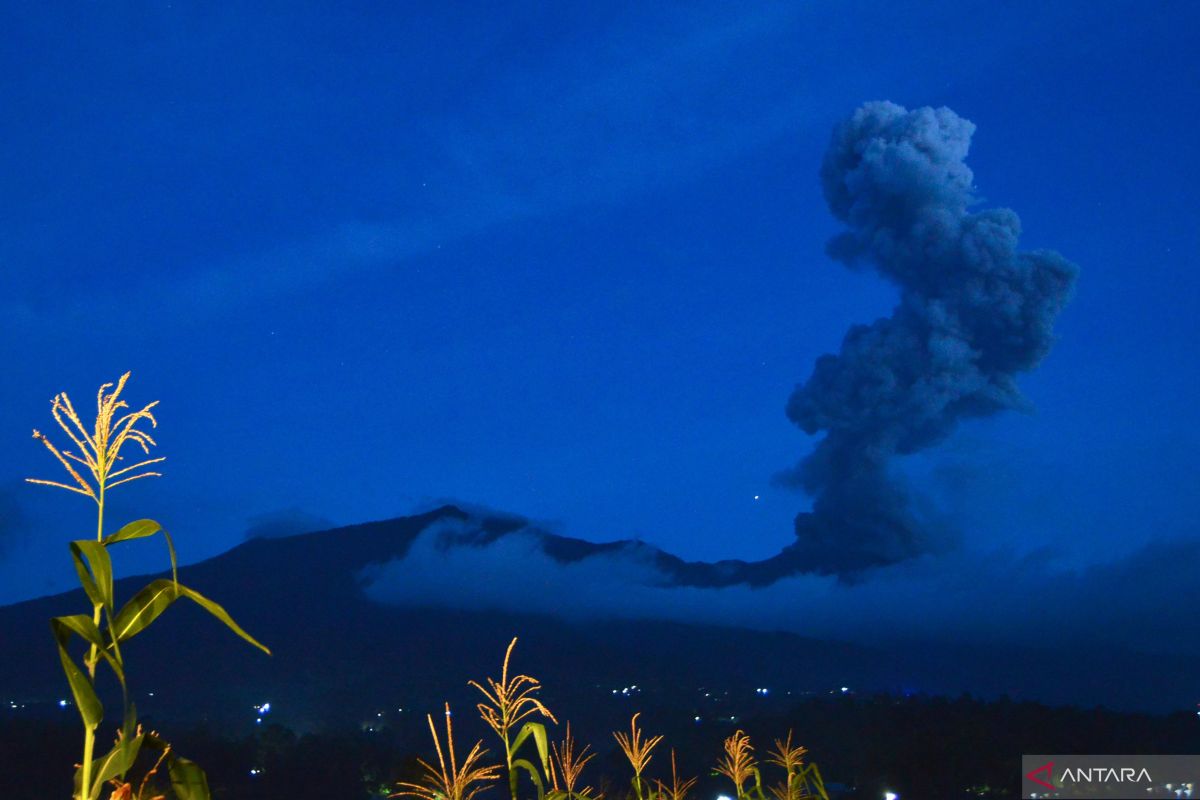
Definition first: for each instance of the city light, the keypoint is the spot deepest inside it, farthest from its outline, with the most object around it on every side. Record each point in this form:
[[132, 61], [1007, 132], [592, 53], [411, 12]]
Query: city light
[[890, 796]]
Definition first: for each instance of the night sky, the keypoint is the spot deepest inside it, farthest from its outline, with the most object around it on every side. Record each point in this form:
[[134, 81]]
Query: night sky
[[569, 261]]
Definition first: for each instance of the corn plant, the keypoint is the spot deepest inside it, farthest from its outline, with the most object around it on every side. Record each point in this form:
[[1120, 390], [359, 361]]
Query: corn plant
[[147, 789], [569, 764], [803, 781], [739, 766], [96, 466], [679, 788], [453, 782], [638, 750], [508, 703]]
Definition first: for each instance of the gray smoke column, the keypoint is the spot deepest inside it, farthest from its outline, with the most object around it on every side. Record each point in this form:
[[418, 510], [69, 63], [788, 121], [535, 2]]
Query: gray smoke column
[[974, 312]]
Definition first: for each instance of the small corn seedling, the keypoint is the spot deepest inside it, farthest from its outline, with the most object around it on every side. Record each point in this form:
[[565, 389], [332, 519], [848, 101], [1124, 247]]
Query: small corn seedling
[[509, 702], [97, 456], [449, 780], [638, 750]]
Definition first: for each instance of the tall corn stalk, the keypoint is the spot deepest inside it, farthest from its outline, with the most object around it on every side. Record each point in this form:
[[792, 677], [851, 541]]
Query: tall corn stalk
[[94, 467]]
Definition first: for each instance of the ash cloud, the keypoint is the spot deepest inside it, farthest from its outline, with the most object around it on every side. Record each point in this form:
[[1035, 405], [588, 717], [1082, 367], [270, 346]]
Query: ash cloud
[[974, 313], [985, 597]]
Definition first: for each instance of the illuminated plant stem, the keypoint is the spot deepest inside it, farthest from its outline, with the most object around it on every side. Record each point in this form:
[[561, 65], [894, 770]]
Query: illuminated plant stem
[[89, 731], [512, 773]]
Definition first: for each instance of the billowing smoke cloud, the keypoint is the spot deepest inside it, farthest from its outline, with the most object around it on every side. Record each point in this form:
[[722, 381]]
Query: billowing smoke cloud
[[974, 313], [981, 597]]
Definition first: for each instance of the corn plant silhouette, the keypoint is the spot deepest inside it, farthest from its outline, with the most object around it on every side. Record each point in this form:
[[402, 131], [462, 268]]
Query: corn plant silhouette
[[96, 467], [802, 781], [569, 764], [509, 702], [738, 763], [638, 750], [791, 758], [679, 788], [453, 782]]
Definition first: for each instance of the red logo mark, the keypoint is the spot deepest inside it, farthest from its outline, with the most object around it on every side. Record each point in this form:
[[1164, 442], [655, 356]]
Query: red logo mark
[[1047, 768]]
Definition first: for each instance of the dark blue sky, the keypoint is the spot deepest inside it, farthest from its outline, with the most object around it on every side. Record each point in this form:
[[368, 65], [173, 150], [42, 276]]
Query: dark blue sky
[[568, 260]]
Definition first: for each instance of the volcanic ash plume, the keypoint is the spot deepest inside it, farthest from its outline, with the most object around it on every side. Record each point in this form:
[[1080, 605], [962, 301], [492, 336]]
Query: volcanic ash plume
[[973, 313]]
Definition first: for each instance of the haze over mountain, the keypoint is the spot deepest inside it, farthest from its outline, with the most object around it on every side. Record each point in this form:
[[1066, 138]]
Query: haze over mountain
[[396, 614]]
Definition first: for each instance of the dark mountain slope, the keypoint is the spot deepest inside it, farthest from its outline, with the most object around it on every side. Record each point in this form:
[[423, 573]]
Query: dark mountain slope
[[342, 658]]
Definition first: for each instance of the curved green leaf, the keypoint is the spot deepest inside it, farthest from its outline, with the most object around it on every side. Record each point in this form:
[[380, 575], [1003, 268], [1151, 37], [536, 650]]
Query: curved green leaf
[[538, 731], [146, 606], [82, 690], [533, 774], [138, 529], [95, 571], [141, 529], [143, 608], [813, 783], [188, 780], [82, 625], [220, 613], [114, 764], [86, 629]]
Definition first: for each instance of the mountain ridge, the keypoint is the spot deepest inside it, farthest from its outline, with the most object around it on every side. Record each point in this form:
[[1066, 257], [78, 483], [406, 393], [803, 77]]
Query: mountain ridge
[[341, 655]]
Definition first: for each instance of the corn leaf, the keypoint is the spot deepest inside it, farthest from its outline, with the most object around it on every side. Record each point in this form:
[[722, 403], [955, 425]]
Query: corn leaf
[[141, 529], [82, 690], [533, 774], [82, 625], [95, 571], [220, 613], [538, 731], [114, 764], [138, 529], [143, 608], [187, 780], [86, 629]]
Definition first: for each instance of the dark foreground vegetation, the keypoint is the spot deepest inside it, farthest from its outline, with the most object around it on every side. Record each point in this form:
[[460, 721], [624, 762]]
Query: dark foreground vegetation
[[921, 748]]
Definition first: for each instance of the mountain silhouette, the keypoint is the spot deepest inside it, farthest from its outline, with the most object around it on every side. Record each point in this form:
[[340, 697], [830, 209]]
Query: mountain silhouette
[[342, 657]]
